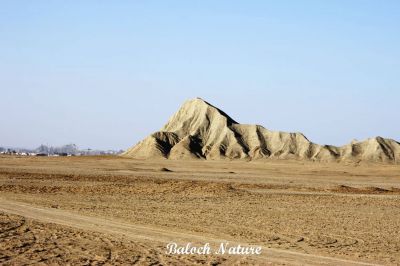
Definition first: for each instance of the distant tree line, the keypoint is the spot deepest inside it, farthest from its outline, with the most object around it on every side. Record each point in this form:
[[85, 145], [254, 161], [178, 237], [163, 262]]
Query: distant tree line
[[70, 149]]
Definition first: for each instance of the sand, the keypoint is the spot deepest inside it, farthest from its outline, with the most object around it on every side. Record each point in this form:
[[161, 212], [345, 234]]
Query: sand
[[198, 130], [113, 210]]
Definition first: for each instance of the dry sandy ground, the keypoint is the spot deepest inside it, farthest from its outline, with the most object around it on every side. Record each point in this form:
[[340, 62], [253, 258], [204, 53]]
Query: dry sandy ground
[[109, 210]]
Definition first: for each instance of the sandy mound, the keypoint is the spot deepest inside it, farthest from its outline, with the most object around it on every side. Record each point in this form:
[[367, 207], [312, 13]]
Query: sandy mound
[[201, 131]]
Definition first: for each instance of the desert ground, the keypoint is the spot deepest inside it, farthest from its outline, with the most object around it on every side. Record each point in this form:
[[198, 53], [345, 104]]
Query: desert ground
[[111, 211]]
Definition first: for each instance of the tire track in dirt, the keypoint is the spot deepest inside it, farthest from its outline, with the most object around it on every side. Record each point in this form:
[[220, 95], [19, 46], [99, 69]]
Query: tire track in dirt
[[158, 235]]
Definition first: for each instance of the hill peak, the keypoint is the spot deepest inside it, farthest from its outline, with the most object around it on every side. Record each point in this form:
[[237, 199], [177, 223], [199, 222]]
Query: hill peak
[[199, 103], [195, 114], [200, 130]]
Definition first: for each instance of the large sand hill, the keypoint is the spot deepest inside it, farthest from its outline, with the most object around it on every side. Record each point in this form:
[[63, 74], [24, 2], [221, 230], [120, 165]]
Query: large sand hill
[[201, 131]]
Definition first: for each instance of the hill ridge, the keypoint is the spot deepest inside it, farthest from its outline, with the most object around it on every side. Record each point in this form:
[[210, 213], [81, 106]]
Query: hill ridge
[[199, 130]]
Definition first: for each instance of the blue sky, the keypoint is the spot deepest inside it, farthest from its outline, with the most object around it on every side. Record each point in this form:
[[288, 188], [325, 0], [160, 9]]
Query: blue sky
[[104, 74]]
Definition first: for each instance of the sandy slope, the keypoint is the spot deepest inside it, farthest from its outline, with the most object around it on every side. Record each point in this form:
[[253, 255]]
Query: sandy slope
[[199, 130]]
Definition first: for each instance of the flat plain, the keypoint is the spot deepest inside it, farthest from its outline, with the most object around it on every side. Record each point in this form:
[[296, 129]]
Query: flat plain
[[98, 210]]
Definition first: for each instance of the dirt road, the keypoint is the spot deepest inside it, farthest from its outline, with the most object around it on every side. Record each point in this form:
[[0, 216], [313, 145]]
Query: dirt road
[[137, 232], [111, 210]]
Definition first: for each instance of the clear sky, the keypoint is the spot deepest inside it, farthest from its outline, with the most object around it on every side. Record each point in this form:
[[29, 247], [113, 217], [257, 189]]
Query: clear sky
[[105, 74]]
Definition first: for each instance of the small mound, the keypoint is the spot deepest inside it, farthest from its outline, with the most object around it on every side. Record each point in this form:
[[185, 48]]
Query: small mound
[[365, 190], [346, 189], [376, 190], [395, 190], [165, 170]]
